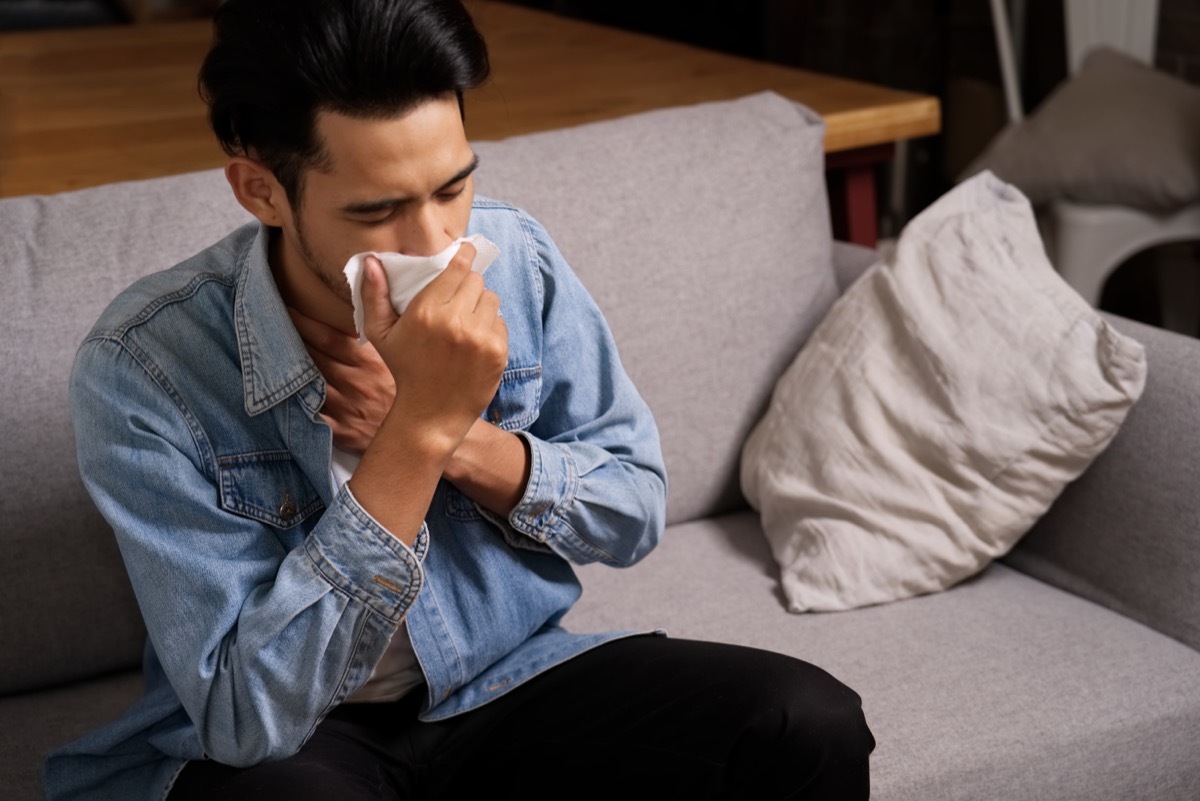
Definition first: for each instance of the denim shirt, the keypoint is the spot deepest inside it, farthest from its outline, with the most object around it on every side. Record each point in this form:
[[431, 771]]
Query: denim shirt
[[269, 597]]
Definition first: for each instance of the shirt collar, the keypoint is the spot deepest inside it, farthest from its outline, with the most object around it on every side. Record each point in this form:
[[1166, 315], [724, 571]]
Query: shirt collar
[[275, 363]]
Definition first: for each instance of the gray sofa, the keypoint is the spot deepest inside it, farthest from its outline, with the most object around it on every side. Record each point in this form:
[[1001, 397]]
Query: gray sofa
[[1068, 671]]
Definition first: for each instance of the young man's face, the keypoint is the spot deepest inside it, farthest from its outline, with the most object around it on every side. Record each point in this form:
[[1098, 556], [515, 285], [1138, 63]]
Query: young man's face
[[401, 184]]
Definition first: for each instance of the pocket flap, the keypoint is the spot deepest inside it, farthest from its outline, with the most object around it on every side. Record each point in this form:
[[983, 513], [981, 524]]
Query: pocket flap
[[267, 486]]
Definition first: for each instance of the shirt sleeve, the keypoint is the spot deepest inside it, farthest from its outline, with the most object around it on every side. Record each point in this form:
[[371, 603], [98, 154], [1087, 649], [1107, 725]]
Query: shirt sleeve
[[259, 629], [597, 485]]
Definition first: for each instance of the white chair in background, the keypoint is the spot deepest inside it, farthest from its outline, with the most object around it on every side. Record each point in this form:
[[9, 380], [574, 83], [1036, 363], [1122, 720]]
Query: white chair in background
[[1086, 242]]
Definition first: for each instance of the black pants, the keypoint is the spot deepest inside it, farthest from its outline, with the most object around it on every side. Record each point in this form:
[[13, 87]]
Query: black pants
[[647, 717]]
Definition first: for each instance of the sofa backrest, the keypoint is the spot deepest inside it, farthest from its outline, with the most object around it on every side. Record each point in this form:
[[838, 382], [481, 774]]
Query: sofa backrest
[[68, 611], [703, 232]]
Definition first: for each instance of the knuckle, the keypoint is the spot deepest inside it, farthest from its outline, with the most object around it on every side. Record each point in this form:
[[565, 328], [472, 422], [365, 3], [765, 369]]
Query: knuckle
[[498, 350], [473, 281], [421, 314]]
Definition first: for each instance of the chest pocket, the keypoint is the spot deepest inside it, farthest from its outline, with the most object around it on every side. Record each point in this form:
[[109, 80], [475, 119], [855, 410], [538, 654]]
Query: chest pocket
[[267, 486], [517, 400]]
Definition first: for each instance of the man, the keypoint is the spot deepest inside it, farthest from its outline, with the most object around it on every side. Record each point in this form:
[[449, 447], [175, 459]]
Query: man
[[352, 561]]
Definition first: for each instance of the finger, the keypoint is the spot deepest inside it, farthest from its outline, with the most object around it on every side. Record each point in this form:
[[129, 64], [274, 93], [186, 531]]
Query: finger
[[335, 426], [378, 314], [338, 410], [448, 282], [347, 360], [344, 437], [326, 339], [466, 255], [488, 303], [366, 381], [310, 330], [501, 329], [335, 371]]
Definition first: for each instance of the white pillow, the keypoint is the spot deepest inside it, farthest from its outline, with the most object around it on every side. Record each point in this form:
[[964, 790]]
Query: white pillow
[[937, 411]]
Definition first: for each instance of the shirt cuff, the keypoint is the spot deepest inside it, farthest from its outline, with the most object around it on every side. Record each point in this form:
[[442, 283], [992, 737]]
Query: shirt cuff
[[360, 557], [542, 513]]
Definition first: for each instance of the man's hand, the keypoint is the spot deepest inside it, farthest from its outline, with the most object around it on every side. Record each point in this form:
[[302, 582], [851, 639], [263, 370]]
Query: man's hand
[[446, 356], [490, 466], [359, 388], [446, 353]]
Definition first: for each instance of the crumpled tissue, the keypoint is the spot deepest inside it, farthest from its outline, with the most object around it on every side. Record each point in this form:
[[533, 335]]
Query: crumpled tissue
[[408, 275]]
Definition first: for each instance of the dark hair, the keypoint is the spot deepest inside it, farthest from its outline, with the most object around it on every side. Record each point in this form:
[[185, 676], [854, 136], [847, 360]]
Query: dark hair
[[275, 64]]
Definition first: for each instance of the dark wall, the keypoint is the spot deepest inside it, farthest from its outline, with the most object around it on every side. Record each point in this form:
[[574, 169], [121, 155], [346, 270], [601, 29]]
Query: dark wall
[[940, 47]]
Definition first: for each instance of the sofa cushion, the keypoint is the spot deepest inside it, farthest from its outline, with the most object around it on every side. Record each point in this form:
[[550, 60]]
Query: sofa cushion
[[1118, 132], [69, 610], [703, 233], [1002, 682], [937, 412]]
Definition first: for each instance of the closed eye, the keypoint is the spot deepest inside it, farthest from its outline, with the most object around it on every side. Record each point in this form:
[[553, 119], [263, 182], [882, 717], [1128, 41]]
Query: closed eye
[[378, 212], [377, 221], [449, 194]]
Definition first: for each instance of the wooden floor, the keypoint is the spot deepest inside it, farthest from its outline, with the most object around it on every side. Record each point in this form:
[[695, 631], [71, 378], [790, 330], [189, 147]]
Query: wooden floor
[[89, 106]]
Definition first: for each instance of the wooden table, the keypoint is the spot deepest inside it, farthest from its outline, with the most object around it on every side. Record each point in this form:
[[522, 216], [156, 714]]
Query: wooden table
[[87, 106]]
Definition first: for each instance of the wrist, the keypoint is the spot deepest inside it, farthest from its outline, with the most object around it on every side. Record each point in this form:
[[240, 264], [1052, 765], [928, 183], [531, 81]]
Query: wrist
[[490, 466], [458, 467], [427, 441], [395, 480]]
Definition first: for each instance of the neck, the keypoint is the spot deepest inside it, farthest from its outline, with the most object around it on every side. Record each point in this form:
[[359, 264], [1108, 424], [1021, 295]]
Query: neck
[[303, 290]]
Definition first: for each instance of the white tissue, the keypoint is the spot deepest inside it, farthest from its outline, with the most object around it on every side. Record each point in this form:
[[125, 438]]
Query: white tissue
[[408, 275]]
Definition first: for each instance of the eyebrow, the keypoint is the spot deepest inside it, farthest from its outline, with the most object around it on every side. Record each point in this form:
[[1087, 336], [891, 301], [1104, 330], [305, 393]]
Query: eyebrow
[[370, 206]]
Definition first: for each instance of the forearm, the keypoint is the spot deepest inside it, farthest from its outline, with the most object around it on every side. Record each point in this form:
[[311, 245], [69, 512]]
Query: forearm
[[491, 467], [398, 474]]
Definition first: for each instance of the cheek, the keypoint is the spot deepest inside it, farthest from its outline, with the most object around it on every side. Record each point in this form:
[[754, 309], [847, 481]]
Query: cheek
[[463, 207], [341, 240], [463, 216], [357, 239], [327, 249], [316, 240]]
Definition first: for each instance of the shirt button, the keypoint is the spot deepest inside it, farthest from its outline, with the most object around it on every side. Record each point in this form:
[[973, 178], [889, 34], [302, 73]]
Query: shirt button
[[287, 509], [495, 416]]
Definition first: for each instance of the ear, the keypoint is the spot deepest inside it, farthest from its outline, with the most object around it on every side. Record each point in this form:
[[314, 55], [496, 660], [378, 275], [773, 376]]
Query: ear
[[256, 189]]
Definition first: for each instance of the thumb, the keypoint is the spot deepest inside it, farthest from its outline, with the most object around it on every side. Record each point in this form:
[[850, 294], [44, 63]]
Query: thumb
[[378, 314]]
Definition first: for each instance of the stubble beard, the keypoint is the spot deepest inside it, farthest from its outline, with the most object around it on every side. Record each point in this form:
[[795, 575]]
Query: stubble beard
[[334, 280]]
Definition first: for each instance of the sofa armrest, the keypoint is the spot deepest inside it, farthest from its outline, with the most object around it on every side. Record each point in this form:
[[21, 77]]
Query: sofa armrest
[[850, 261], [1126, 534]]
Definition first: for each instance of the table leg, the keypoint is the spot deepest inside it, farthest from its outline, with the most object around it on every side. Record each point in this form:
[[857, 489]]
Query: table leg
[[850, 176]]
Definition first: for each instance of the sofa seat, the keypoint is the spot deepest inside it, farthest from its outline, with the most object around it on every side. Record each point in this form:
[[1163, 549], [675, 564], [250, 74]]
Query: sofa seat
[[1002, 687]]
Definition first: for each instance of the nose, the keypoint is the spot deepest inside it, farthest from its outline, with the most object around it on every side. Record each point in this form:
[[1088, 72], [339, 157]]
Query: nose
[[427, 231]]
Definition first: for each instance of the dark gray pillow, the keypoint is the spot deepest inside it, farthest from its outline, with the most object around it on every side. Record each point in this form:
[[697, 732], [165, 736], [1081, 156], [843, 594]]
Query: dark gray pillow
[[1119, 132]]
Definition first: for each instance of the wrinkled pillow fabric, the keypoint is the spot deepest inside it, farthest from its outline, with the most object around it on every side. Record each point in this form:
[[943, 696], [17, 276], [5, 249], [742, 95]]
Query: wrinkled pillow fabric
[[1119, 132], [937, 411]]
